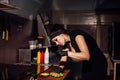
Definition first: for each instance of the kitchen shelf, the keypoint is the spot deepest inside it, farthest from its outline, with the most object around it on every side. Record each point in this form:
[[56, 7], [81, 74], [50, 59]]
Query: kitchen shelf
[[5, 6]]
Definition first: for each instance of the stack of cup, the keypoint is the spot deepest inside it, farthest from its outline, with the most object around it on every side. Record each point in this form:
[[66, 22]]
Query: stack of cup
[[33, 44]]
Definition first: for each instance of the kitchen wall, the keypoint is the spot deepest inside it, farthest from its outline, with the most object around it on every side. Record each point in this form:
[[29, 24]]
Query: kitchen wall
[[20, 31]]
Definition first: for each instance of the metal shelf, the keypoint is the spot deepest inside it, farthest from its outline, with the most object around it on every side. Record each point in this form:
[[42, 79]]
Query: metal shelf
[[5, 6]]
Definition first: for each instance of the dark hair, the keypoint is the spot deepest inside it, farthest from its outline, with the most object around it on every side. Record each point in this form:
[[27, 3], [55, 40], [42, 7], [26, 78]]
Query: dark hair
[[56, 30], [56, 27]]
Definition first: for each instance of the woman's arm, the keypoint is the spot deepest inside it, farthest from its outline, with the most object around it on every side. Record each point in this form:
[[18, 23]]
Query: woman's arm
[[84, 51]]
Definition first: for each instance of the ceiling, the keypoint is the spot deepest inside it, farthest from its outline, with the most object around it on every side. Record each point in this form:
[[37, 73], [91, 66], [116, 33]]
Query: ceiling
[[29, 7], [79, 4]]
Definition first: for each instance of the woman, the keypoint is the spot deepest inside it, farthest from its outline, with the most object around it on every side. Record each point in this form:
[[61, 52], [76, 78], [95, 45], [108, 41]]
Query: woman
[[83, 57]]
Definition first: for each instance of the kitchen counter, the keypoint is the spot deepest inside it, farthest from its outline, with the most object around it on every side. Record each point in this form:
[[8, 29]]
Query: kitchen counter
[[25, 72]]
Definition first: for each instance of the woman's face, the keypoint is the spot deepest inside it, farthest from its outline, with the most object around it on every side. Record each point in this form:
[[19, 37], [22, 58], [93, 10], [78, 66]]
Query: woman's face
[[59, 40]]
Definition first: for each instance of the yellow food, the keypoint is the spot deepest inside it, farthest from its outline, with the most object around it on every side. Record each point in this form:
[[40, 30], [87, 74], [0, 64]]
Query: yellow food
[[44, 74]]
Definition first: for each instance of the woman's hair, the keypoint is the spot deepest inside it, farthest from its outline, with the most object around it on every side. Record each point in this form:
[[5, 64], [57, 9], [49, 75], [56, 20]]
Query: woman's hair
[[56, 30]]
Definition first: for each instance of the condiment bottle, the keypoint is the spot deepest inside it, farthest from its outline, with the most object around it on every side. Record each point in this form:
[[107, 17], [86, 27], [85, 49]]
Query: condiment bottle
[[46, 56], [38, 57]]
